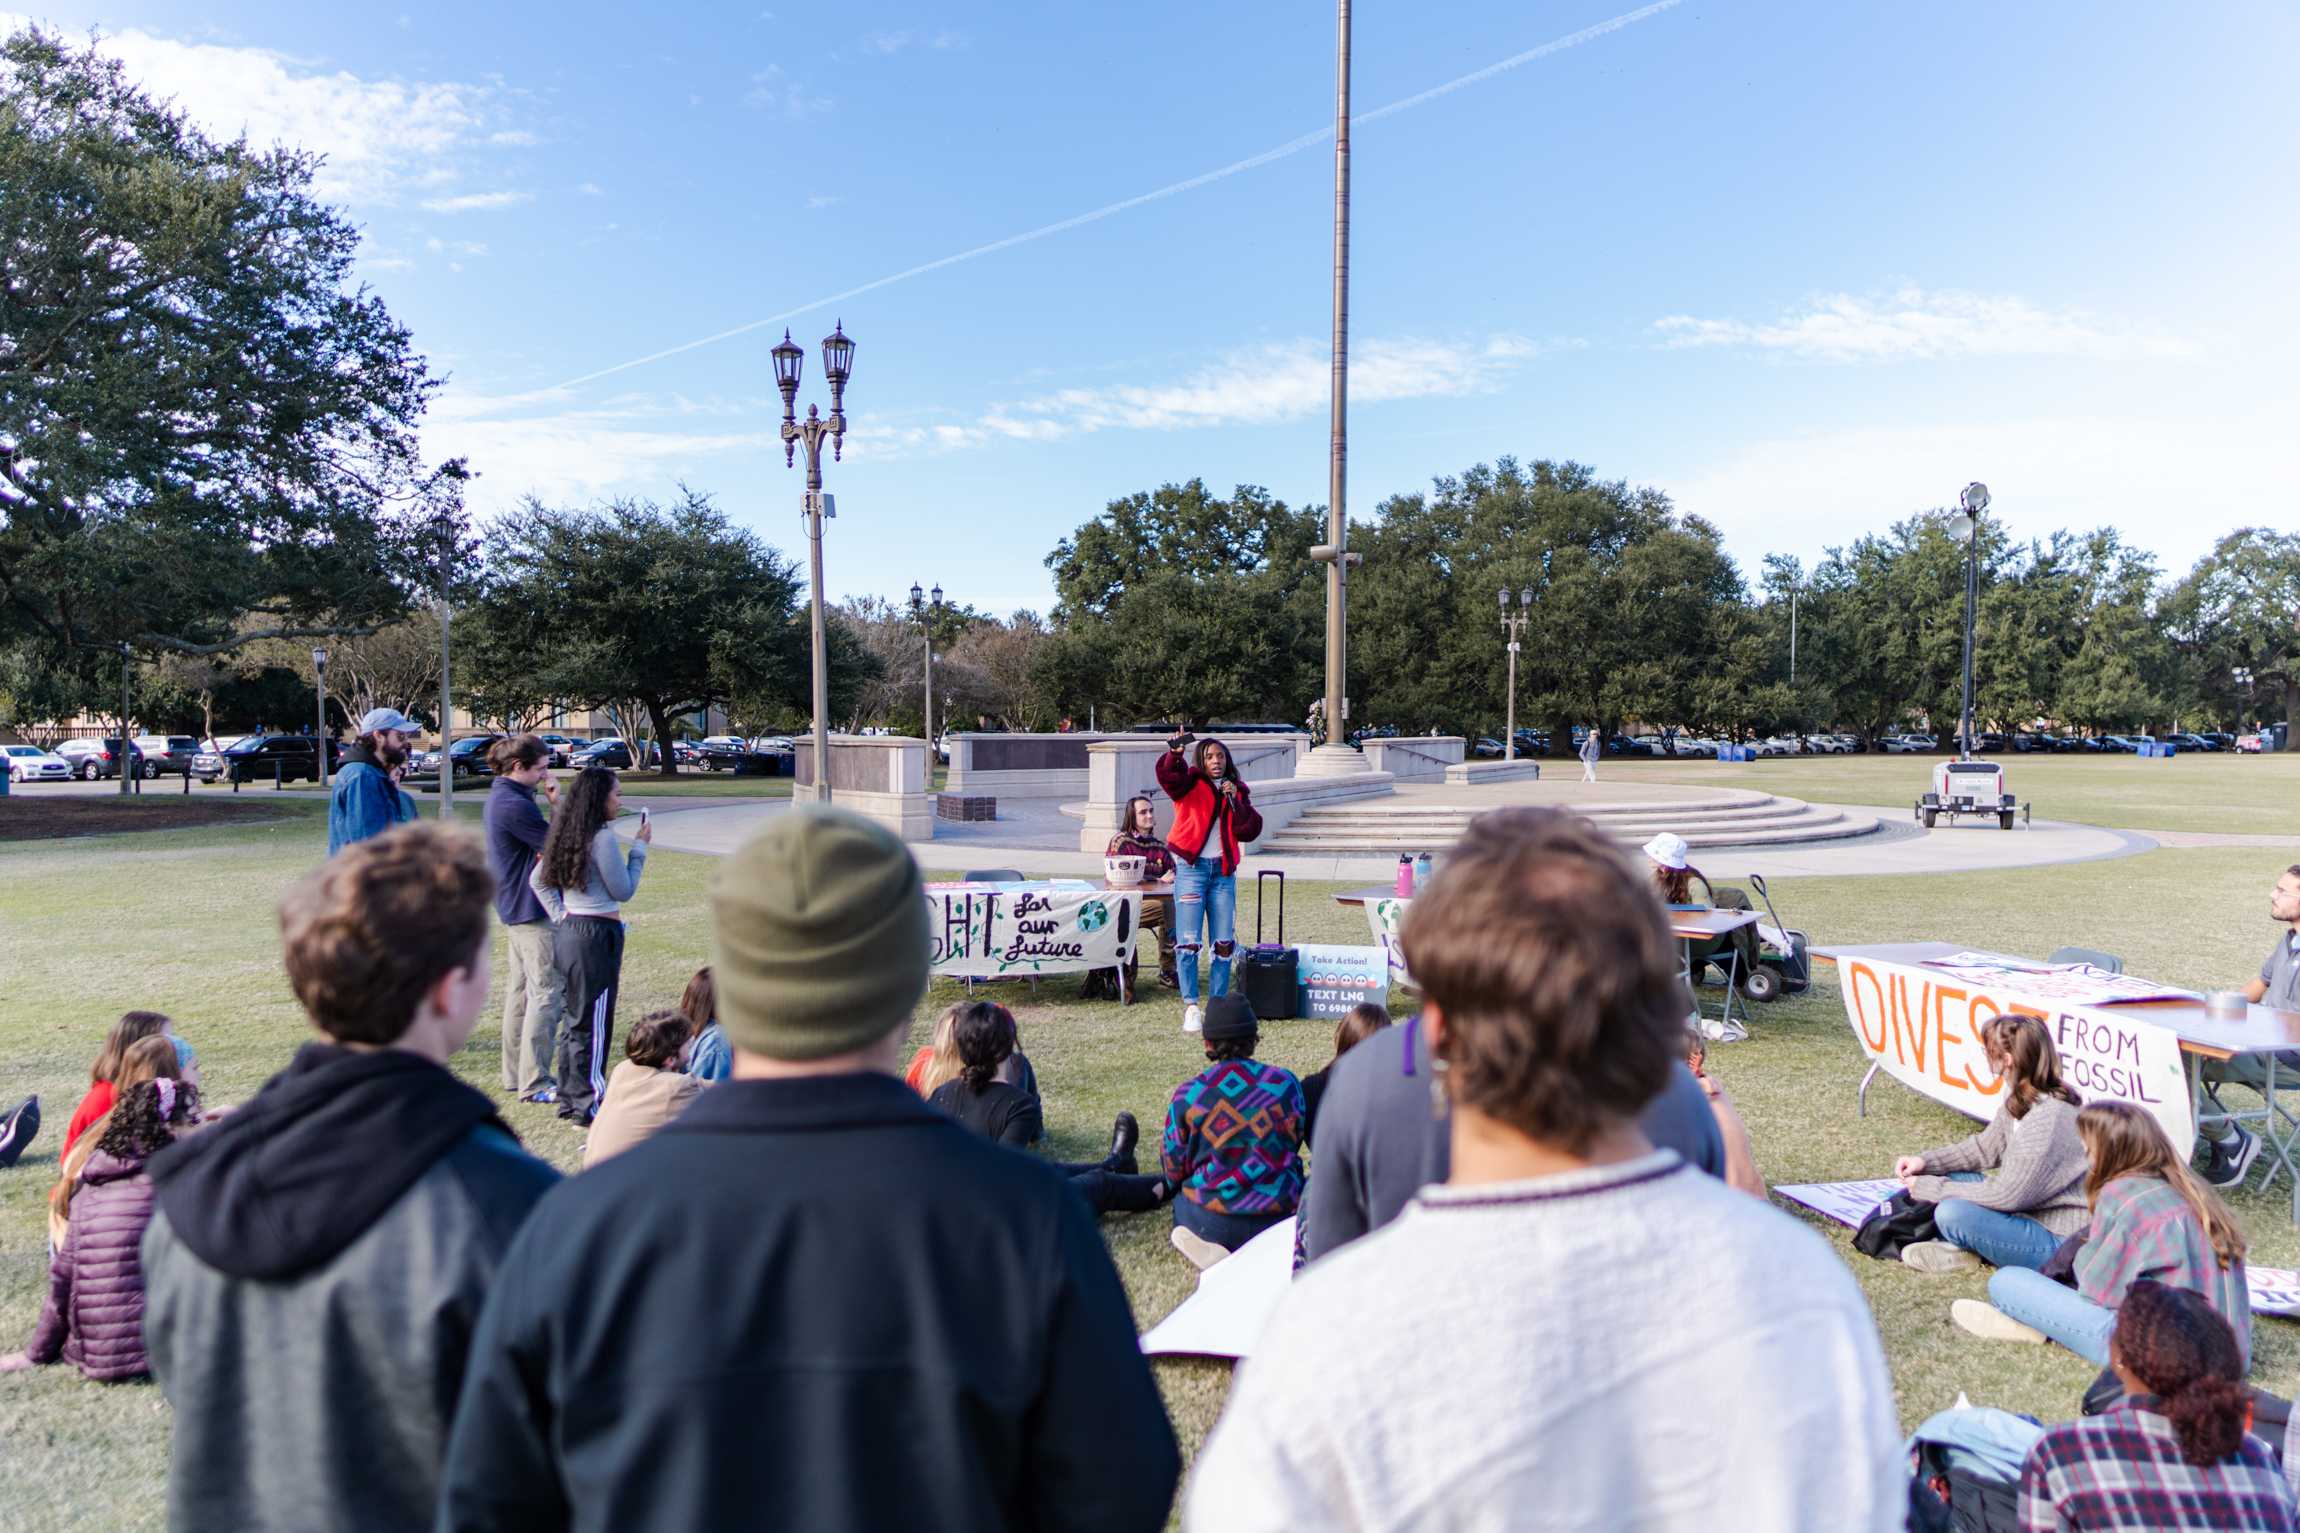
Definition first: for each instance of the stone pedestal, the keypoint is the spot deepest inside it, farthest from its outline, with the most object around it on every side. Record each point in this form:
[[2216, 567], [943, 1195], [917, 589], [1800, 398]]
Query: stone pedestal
[[1334, 761], [1119, 768], [1416, 758]]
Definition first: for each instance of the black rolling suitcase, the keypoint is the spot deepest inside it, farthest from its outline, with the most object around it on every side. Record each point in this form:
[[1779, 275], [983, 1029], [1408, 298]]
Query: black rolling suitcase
[[1269, 973]]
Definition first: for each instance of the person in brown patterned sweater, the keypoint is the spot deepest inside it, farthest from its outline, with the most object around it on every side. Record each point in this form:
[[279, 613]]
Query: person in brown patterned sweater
[[1140, 839]]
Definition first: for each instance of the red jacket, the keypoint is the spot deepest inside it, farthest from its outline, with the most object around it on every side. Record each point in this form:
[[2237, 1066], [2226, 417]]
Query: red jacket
[[1199, 808], [94, 1105]]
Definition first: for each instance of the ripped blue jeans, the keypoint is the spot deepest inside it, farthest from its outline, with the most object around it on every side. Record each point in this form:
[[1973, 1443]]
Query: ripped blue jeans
[[1205, 910]]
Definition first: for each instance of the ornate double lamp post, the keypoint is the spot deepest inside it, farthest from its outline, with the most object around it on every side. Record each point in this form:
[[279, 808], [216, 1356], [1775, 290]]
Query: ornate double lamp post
[[838, 366], [1513, 624]]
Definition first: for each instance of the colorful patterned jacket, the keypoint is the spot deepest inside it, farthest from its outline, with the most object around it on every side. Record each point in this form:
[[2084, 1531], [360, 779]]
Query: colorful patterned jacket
[[1234, 1139]]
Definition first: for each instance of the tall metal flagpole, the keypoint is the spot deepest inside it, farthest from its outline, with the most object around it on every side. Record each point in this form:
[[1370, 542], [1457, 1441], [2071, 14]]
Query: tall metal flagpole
[[1335, 756]]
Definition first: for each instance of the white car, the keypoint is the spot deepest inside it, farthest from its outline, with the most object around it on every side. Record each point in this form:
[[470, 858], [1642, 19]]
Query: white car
[[29, 763], [1907, 745], [772, 744]]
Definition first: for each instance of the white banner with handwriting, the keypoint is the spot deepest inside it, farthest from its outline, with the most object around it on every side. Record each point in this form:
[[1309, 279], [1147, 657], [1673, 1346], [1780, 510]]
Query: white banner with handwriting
[[986, 931]]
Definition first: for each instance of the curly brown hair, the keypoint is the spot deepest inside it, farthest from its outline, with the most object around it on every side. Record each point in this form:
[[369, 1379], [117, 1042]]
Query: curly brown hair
[[381, 923], [2021, 1048], [139, 1127], [656, 1039], [566, 857], [2174, 1342], [1547, 957]]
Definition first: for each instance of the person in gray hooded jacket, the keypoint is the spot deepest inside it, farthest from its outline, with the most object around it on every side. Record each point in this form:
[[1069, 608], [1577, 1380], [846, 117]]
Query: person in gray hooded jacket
[[317, 1262], [582, 878]]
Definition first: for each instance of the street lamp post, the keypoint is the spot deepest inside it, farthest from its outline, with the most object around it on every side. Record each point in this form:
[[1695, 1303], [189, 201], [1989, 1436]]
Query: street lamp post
[[127, 761], [838, 366], [319, 685], [1513, 624], [1972, 502], [924, 608]]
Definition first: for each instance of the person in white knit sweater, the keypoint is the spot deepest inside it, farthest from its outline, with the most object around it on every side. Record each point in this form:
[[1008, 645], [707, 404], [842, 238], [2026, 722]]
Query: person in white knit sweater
[[1574, 1330]]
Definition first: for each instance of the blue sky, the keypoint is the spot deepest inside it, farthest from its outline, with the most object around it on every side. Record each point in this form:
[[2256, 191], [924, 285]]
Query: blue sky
[[1806, 266]]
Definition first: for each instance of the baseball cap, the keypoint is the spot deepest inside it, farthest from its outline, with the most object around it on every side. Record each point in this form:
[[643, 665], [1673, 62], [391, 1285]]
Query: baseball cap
[[387, 718]]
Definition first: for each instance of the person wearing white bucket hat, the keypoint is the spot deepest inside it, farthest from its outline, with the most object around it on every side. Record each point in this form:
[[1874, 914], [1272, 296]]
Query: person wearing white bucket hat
[[1673, 876]]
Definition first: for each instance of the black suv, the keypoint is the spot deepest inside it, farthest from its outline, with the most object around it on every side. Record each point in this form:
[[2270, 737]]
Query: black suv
[[284, 758]]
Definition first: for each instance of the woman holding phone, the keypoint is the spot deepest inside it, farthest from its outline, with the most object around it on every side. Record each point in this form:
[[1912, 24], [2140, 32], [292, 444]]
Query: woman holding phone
[[583, 876], [1213, 815]]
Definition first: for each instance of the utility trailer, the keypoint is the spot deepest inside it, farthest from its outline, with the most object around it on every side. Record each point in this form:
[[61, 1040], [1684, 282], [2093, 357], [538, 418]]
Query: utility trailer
[[1970, 787]]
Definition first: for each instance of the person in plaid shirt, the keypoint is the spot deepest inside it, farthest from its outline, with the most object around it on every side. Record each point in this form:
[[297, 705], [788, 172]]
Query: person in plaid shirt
[[2152, 1218], [1233, 1145], [2175, 1456]]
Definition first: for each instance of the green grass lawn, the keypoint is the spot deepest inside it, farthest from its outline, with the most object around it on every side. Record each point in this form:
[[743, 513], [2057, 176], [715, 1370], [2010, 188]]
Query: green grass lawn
[[184, 921], [2241, 795]]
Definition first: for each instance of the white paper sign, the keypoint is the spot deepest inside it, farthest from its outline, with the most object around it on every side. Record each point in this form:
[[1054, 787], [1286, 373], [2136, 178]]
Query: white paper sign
[[984, 931], [1923, 1026], [2275, 1290], [1234, 1301]]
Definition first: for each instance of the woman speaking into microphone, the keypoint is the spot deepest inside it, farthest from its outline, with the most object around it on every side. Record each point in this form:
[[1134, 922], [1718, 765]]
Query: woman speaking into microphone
[[1213, 813]]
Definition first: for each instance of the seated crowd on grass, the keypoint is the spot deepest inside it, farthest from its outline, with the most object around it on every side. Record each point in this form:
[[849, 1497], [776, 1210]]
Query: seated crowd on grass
[[797, 1286]]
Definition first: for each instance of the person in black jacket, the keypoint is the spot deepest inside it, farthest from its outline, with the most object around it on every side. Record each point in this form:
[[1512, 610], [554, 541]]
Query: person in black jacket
[[985, 1034], [812, 1301]]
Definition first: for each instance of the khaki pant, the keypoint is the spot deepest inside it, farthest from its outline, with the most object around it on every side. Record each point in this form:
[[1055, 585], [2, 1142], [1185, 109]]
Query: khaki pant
[[1158, 916], [533, 998]]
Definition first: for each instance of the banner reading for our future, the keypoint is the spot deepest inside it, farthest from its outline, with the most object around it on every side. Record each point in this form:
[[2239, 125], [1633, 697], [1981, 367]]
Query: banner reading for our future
[[1923, 1026], [983, 931]]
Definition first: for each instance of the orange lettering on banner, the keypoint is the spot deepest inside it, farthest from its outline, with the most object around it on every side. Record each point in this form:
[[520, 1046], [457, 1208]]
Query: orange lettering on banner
[[1943, 1037], [1855, 973], [1975, 1022], [1918, 1034]]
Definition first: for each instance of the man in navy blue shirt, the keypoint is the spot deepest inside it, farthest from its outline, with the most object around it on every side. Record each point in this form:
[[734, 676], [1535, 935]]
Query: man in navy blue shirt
[[532, 993]]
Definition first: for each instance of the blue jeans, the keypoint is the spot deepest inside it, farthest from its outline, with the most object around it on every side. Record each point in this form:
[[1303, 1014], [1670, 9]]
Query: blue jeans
[[2001, 1240], [1205, 910], [1229, 1231], [2065, 1315]]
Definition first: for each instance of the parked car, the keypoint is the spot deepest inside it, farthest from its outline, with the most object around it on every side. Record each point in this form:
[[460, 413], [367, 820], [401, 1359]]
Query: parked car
[[468, 754], [609, 751], [2221, 739], [559, 747], [1910, 744], [781, 744], [94, 759], [2195, 742], [265, 758], [167, 755], [725, 753], [29, 763]]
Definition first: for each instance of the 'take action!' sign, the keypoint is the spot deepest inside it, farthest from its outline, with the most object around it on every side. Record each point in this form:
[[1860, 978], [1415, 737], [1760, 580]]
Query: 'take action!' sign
[[1924, 1030]]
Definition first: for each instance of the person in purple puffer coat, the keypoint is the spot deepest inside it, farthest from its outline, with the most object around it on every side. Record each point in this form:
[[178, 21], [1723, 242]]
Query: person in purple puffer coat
[[94, 1317]]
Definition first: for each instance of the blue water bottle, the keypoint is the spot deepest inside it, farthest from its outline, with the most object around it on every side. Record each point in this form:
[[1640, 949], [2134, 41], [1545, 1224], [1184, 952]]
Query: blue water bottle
[[1421, 871]]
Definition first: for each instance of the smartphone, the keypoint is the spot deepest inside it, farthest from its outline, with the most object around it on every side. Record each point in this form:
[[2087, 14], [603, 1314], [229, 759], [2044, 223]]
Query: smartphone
[[645, 814]]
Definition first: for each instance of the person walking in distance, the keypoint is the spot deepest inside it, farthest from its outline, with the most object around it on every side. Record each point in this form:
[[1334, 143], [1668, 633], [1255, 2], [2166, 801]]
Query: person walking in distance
[[1214, 815], [516, 830], [582, 878], [1591, 749]]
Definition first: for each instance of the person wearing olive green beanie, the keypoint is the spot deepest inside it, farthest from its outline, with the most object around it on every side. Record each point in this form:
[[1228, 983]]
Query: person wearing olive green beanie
[[810, 1242]]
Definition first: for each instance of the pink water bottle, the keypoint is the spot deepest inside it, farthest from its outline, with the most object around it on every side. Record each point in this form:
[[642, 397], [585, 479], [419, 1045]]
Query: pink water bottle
[[1405, 877]]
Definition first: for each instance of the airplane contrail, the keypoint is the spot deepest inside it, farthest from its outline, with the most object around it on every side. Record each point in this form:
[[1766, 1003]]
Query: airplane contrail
[[1292, 146]]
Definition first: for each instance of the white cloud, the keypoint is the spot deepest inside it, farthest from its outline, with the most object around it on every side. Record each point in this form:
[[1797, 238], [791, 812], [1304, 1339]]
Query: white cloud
[[888, 42], [542, 443], [774, 91], [387, 263], [438, 246], [2172, 485], [1254, 386], [476, 202], [822, 200], [378, 135], [591, 189], [1913, 323], [515, 138]]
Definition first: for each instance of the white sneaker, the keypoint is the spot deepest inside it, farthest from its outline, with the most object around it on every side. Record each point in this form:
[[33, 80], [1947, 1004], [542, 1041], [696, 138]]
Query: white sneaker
[[1985, 1319], [1193, 1020], [1938, 1256], [1203, 1253]]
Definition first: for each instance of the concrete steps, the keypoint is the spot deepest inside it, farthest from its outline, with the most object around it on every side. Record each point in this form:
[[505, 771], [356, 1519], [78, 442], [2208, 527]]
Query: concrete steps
[[1736, 819]]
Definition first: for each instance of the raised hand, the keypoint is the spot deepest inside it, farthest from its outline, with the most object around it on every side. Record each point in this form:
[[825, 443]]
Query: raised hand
[[1181, 741]]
